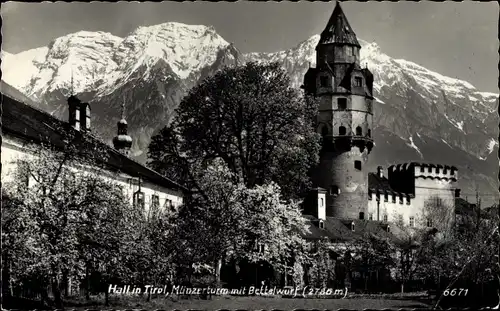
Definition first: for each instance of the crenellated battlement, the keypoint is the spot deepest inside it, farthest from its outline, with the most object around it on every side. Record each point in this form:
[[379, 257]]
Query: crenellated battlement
[[425, 171], [390, 196]]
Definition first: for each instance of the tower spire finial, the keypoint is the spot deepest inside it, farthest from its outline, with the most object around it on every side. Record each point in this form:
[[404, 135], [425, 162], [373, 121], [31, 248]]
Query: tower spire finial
[[123, 109]]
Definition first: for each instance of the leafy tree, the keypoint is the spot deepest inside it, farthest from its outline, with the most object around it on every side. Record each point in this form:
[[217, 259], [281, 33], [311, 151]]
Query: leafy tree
[[229, 220], [55, 193], [252, 119]]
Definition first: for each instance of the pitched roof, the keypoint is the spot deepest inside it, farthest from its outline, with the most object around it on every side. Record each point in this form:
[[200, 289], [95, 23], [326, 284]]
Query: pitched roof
[[338, 29], [33, 125], [336, 229], [379, 183]]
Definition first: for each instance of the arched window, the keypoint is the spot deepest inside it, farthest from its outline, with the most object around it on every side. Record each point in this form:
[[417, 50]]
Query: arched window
[[369, 133], [321, 224], [359, 131], [352, 226], [342, 130]]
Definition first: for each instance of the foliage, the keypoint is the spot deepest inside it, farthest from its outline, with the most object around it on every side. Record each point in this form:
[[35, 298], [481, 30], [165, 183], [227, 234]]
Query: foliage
[[230, 220], [252, 119]]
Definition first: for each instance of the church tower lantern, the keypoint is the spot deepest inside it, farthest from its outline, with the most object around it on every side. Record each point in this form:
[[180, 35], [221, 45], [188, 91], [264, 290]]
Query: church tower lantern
[[345, 118], [122, 141]]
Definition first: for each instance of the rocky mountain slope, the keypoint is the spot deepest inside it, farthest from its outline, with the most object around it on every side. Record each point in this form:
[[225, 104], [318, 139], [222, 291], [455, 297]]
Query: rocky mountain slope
[[420, 114]]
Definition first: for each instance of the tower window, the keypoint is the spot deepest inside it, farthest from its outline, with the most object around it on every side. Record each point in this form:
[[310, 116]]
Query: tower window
[[342, 103], [357, 165], [361, 215], [323, 81], [412, 221], [385, 218], [342, 130], [369, 133], [334, 190], [359, 131], [322, 203], [358, 81]]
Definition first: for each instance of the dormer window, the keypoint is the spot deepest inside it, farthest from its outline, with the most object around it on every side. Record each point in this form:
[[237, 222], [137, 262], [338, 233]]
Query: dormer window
[[321, 224], [358, 81], [321, 202], [352, 226]]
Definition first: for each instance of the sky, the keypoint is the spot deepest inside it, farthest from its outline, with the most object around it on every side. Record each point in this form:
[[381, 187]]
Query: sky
[[457, 39]]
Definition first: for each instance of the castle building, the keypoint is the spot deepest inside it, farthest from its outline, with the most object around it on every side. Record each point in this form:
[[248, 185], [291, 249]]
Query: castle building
[[24, 127], [345, 188]]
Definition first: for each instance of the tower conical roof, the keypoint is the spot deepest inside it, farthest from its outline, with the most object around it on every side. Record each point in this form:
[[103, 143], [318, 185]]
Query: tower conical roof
[[338, 29]]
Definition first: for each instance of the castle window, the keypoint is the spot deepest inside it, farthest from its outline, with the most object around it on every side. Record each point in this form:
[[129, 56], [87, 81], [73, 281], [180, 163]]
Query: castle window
[[334, 190], [342, 130], [357, 165], [359, 131], [412, 221], [429, 222], [385, 217], [323, 81], [370, 216], [139, 199], [369, 133], [342, 103], [361, 215], [358, 81]]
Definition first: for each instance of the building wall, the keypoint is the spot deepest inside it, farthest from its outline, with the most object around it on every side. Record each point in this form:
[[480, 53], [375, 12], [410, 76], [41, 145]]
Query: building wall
[[434, 199], [13, 150]]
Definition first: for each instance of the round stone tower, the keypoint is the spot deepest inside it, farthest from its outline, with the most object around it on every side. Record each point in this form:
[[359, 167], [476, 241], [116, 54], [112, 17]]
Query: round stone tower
[[345, 118]]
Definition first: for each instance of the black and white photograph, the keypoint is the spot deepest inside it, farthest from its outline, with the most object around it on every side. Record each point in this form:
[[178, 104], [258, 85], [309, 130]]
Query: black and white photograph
[[250, 155]]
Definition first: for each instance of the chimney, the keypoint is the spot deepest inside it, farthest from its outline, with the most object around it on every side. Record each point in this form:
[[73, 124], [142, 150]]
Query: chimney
[[380, 172]]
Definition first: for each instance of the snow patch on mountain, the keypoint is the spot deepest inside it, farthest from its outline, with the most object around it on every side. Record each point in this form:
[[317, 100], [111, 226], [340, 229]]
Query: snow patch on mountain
[[412, 145], [457, 124]]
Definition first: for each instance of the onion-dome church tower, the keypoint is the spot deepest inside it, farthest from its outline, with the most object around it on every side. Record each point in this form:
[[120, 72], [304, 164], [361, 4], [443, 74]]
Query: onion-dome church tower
[[122, 141], [345, 118]]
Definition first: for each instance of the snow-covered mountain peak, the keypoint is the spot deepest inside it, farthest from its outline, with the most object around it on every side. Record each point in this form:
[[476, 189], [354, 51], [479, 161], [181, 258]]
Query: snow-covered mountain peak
[[186, 48]]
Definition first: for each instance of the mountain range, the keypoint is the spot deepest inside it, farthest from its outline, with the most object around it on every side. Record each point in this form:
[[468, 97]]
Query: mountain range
[[419, 115]]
